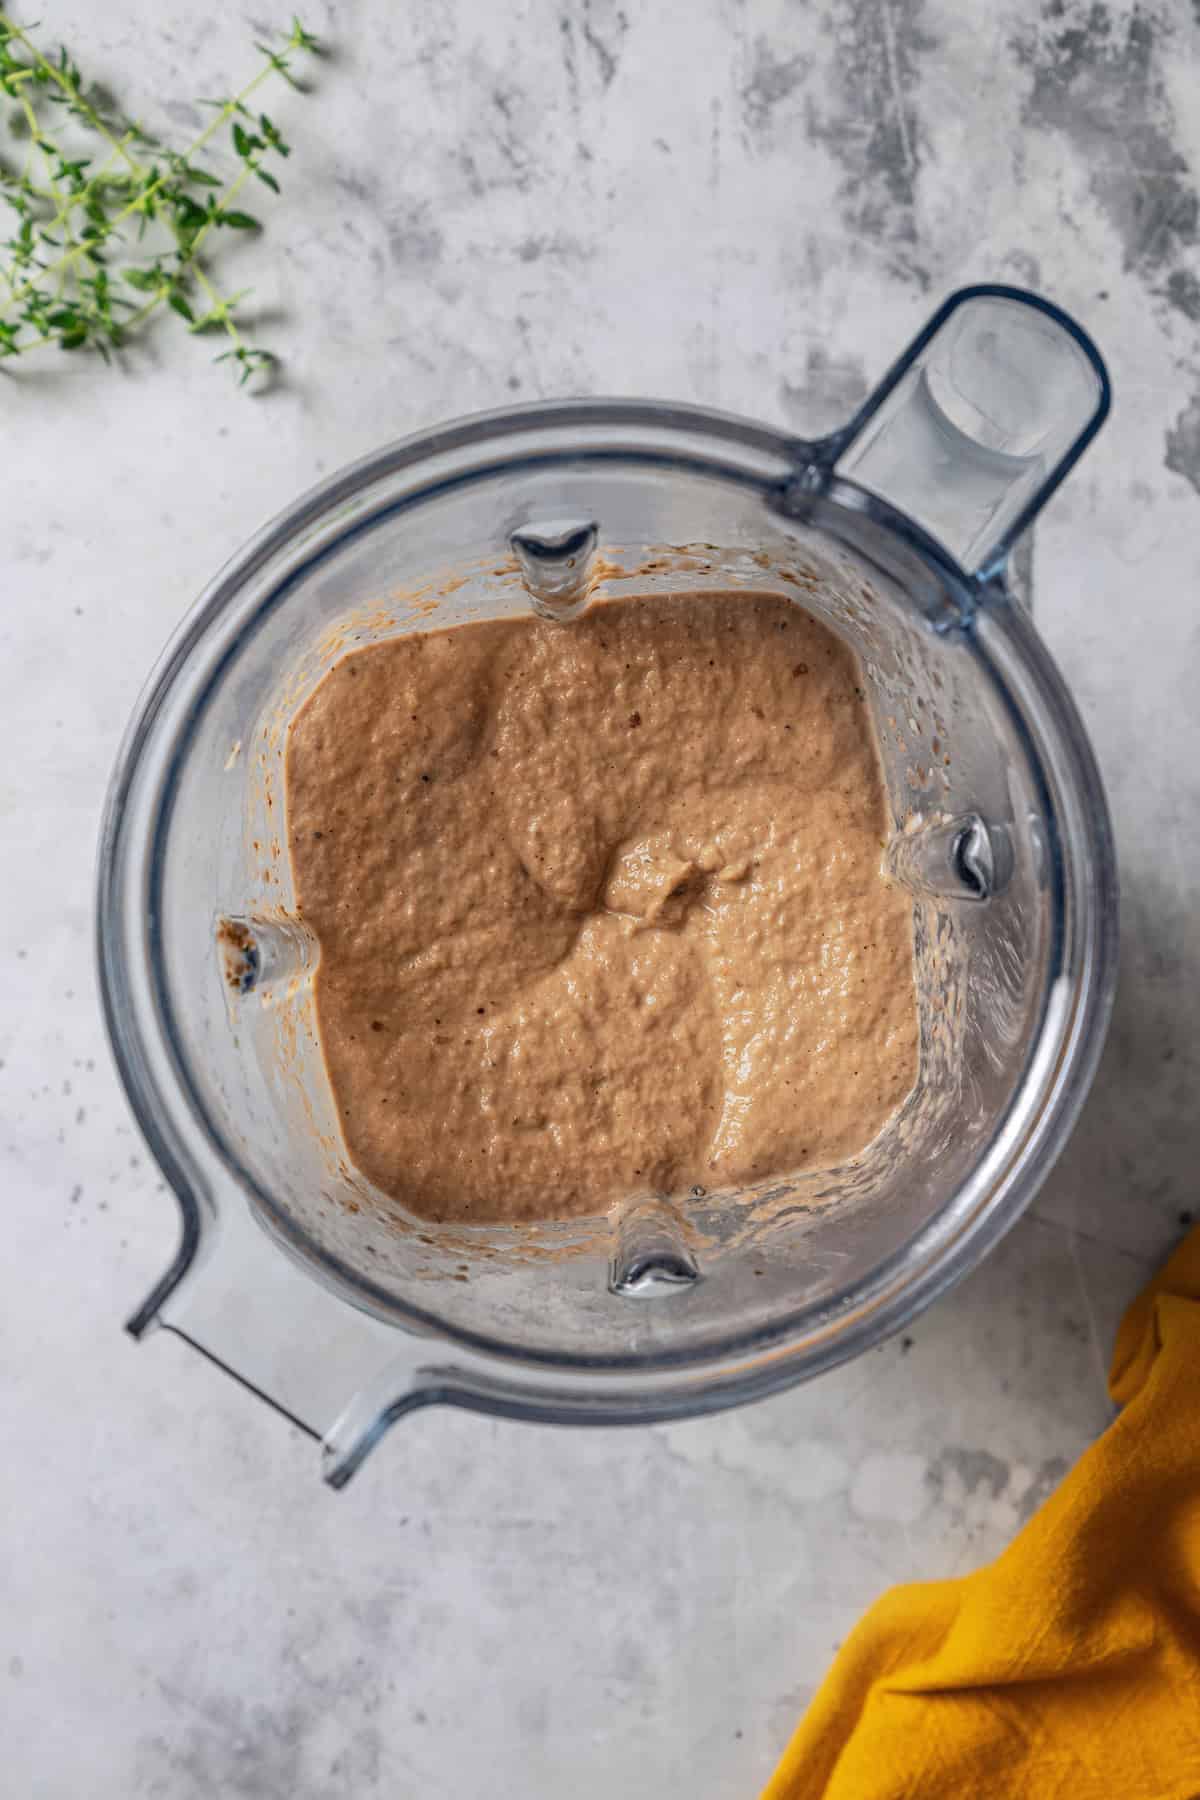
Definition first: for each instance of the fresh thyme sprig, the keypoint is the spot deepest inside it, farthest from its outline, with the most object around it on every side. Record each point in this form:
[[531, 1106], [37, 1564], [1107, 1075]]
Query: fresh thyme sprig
[[109, 226]]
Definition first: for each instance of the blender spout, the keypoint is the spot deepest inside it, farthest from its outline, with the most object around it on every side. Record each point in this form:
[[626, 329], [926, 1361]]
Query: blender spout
[[973, 428], [239, 1295]]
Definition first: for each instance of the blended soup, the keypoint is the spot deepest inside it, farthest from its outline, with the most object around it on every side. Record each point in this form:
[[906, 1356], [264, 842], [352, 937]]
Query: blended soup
[[600, 906]]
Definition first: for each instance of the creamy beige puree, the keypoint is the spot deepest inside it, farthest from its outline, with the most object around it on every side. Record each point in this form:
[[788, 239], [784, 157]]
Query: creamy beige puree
[[600, 906]]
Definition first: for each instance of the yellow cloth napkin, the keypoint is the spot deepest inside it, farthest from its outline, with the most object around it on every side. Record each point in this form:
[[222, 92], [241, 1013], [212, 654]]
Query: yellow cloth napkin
[[1069, 1669]]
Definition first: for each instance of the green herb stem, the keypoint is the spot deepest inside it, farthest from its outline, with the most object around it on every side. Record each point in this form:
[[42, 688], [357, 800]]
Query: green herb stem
[[75, 299], [228, 109], [73, 92]]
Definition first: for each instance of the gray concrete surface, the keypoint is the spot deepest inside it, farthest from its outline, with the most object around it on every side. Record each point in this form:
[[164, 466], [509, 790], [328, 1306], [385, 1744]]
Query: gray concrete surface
[[751, 205]]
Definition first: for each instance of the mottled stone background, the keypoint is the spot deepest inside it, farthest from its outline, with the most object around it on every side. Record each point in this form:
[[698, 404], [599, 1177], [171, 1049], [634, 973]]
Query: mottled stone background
[[751, 205]]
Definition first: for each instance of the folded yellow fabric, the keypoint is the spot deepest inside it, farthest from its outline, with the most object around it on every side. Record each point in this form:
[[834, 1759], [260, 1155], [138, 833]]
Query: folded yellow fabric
[[1069, 1669]]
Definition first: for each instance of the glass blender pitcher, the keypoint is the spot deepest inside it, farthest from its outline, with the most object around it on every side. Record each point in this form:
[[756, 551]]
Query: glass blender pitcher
[[345, 1313]]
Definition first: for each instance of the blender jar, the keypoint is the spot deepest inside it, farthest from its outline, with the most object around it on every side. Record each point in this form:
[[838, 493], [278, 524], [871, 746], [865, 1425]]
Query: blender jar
[[321, 1294]]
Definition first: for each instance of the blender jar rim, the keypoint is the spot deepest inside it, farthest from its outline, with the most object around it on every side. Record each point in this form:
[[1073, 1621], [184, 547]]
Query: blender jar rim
[[647, 434]]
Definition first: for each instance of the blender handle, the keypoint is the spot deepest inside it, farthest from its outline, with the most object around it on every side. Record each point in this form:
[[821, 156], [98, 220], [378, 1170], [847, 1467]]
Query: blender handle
[[973, 428]]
